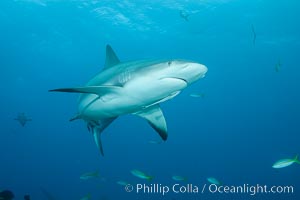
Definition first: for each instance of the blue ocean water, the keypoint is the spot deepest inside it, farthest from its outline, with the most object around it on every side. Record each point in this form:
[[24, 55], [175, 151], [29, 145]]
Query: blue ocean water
[[247, 119]]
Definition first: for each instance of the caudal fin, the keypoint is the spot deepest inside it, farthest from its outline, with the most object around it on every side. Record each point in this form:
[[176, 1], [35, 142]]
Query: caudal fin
[[149, 178], [96, 128], [98, 141], [296, 159]]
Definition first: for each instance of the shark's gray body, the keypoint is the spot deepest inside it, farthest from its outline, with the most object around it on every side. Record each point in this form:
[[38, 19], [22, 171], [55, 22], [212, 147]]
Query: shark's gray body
[[135, 87]]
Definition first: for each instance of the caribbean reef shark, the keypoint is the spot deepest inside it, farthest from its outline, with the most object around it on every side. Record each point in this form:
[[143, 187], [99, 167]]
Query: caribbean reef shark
[[135, 87]]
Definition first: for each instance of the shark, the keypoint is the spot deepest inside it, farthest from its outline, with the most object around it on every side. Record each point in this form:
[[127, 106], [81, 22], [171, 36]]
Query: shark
[[23, 119], [135, 87]]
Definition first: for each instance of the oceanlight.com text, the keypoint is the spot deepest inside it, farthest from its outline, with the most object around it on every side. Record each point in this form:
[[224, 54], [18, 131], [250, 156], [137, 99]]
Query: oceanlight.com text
[[161, 189], [250, 189]]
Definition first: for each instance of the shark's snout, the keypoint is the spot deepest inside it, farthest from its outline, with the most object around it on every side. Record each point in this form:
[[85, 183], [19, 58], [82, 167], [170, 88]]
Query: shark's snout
[[202, 70], [194, 71]]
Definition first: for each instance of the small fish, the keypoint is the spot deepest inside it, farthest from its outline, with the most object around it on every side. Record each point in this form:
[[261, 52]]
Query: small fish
[[154, 142], [197, 95], [254, 34], [278, 66], [141, 175], [213, 180], [184, 15], [179, 178], [86, 197], [89, 175], [23, 119], [285, 162], [124, 183]]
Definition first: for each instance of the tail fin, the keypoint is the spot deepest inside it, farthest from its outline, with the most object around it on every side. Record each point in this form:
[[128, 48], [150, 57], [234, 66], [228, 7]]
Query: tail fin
[[97, 174], [97, 137], [296, 159], [97, 128], [149, 178]]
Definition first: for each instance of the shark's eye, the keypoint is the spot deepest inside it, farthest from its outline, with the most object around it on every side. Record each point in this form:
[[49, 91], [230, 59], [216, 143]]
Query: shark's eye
[[169, 63]]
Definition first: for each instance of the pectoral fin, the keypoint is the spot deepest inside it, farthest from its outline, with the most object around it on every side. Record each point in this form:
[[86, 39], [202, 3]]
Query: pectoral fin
[[156, 119], [99, 90]]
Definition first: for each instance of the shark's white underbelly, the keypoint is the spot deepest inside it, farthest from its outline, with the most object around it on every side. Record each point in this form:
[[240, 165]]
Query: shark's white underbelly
[[131, 98]]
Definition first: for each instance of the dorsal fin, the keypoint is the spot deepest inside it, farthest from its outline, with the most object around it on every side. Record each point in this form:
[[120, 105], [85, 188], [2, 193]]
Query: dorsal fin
[[111, 57]]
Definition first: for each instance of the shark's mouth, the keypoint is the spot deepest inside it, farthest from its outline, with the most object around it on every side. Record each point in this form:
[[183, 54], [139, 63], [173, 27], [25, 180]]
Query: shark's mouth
[[181, 79]]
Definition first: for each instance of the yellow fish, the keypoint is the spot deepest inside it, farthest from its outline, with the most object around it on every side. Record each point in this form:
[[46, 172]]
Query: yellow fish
[[141, 175], [285, 162], [89, 175]]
